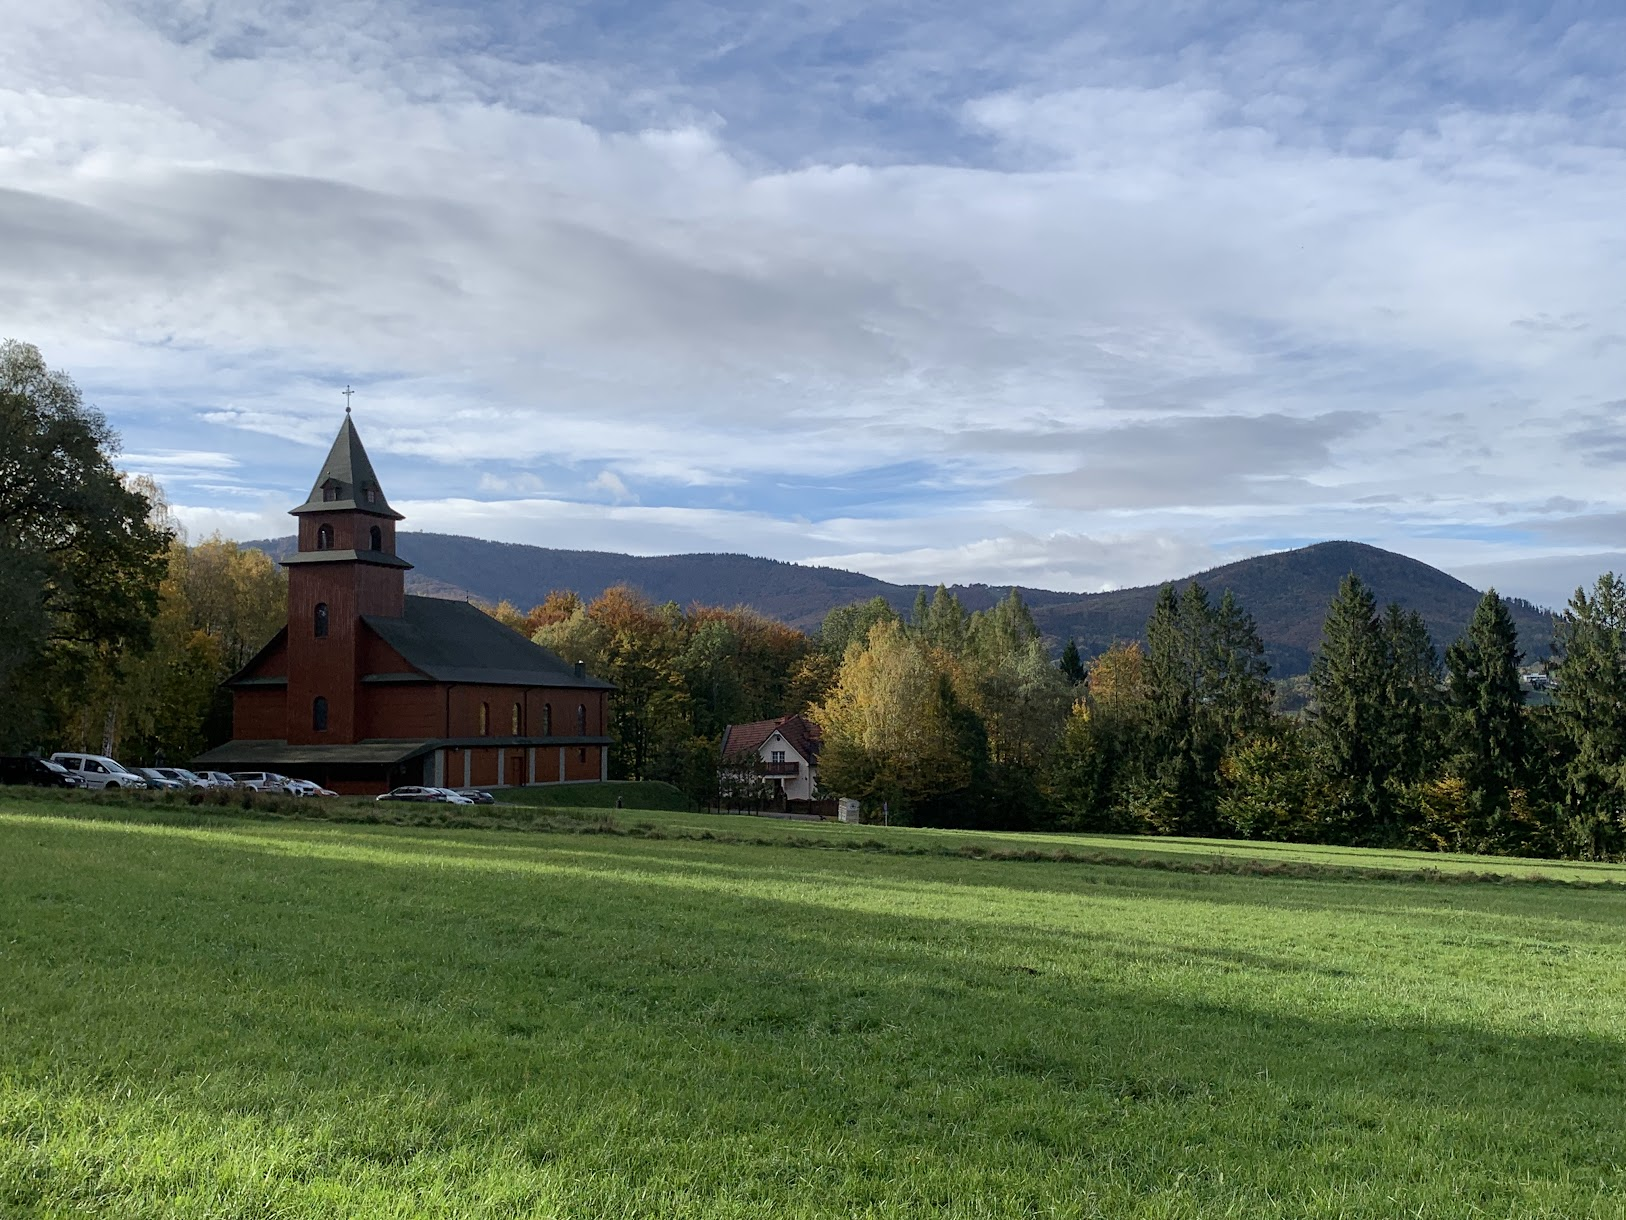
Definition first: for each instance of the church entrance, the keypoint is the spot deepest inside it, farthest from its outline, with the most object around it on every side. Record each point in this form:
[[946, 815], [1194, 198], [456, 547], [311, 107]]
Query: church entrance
[[514, 763]]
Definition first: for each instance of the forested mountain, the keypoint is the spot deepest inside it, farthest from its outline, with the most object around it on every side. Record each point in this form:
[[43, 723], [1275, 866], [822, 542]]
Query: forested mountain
[[1287, 593]]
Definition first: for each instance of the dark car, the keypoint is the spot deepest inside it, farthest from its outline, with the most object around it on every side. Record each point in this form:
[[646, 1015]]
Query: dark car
[[478, 795], [414, 793], [36, 771]]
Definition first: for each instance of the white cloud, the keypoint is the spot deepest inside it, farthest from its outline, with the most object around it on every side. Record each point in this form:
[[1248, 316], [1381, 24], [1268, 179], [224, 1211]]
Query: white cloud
[[1101, 299]]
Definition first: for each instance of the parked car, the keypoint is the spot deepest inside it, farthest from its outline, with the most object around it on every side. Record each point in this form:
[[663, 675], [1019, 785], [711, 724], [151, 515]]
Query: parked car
[[478, 795], [306, 787], [182, 776], [454, 797], [157, 779], [217, 779], [39, 772], [414, 792], [260, 781], [98, 770]]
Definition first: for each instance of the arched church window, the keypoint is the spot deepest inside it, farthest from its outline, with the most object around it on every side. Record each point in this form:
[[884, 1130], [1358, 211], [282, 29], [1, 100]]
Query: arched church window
[[375, 536], [319, 714], [320, 617], [581, 720], [324, 537], [514, 726], [547, 720], [485, 720]]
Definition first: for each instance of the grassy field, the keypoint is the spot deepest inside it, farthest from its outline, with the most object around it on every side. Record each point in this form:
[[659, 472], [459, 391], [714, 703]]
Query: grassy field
[[634, 794], [208, 1016]]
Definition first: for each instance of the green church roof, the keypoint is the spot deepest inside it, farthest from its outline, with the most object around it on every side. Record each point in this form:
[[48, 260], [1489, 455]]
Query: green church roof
[[347, 480]]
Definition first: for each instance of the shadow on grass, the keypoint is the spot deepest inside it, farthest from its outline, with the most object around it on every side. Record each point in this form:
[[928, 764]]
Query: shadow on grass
[[389, 1020]]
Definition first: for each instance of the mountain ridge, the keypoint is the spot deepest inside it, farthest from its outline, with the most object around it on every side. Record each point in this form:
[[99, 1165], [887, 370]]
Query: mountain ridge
[[1287, 592]]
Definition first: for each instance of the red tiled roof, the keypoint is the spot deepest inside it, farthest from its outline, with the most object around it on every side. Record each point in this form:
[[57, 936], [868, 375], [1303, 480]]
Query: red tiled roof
[[802, 734]]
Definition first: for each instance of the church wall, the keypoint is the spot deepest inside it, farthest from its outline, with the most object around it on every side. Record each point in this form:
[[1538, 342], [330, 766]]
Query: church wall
[[463, 711], [352, 531], [273, 664], [323, 667], [405, 712], [581, 762], [380, 591], [483, 767], [377, 657], [259, 714]]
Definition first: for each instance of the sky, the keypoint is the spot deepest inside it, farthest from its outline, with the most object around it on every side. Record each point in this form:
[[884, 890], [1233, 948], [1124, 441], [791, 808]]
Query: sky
[[1071, 296]]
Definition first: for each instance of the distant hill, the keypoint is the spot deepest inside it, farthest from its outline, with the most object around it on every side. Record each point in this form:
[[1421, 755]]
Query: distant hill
[[1287, 593]]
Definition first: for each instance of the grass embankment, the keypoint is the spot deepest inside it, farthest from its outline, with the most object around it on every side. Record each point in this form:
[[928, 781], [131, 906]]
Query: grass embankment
[[634, 794], [285, 1018]]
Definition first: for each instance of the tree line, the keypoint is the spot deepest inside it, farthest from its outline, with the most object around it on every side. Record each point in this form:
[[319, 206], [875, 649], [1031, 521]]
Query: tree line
[[115, 636]]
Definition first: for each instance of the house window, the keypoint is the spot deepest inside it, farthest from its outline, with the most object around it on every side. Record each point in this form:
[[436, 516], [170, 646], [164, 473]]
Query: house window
[[581, 720], [375, 537], [320, 620], [778, 756], [330, 492], [547, 720], [514, 726], [319, 714], [485, 720], [372, 495], [324, 537]]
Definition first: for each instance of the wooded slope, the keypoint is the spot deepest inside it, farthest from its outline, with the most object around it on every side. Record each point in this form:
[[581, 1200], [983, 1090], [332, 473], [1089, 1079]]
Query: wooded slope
[[1286, 592]]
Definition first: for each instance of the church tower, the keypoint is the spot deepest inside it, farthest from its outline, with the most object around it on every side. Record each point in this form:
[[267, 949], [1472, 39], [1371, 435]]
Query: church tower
[[346, 567]]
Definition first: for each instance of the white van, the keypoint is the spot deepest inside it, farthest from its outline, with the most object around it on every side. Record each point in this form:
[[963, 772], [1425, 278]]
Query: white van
[[98, 771]]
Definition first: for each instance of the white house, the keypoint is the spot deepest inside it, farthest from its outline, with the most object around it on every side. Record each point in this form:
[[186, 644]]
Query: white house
[[784, 752]]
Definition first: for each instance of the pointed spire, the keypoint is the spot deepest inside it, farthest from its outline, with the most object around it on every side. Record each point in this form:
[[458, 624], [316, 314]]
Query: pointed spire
[[347, 480]]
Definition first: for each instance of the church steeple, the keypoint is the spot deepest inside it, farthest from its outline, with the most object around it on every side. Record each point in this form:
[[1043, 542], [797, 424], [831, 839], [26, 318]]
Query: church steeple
[[346, 480], [346, 570]]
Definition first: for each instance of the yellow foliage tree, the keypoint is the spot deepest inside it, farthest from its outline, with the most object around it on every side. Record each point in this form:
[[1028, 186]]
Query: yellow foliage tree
[[888, 726]]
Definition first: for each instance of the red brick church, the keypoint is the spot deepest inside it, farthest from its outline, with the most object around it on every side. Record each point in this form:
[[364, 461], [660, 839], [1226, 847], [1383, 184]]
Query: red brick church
[[368, 688]]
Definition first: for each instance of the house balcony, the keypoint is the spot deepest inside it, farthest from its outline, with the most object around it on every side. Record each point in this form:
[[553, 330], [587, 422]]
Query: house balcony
[[781, 768]]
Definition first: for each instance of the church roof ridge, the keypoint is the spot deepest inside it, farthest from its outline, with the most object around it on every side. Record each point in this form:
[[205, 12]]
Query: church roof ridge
[[346, 478]]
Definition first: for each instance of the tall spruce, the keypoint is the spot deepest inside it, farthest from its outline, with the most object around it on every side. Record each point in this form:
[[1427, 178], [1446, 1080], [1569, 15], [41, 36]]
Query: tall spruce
[[1071, 663], [1349, 727], [1486, 730], [1412, 698], [1207, 688], [1590, 706]]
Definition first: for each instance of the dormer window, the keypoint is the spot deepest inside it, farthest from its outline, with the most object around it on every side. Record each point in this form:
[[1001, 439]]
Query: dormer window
[[372, 495], [332, 490]]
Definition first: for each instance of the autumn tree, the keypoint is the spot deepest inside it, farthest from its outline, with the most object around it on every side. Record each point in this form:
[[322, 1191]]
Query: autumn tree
[[1100, 755], [80, 558], [640, 644], [847, 625], [892, 725]]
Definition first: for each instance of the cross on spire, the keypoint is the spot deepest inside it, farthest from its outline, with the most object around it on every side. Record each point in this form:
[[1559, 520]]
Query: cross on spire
[[347, 392]]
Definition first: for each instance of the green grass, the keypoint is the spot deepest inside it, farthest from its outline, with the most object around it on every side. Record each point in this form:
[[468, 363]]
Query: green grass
[[209, 1016], [634, 794]]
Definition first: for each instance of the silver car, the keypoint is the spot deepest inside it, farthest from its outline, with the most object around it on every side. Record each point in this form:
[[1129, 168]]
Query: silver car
[[98, 770]]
